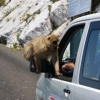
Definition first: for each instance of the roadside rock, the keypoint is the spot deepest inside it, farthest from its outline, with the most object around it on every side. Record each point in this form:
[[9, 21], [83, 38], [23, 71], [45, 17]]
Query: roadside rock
[[24, 20], [39, 27], [59, 13]]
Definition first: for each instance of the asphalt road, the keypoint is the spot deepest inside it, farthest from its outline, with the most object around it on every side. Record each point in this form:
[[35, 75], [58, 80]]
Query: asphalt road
[[16, 81]]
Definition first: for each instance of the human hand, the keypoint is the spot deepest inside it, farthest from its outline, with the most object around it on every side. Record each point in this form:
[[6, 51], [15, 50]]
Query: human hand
[[68, 66]]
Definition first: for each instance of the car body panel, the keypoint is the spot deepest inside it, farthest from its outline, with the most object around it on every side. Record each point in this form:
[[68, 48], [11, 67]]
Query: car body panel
[[53, 88]]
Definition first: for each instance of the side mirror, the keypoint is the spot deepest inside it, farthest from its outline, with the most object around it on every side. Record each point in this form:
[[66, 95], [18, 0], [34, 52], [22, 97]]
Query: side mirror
[[31, 66], [47, 68]]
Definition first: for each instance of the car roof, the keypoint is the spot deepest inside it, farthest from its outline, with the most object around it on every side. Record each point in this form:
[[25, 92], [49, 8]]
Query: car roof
[[83, 18], [87, 17]]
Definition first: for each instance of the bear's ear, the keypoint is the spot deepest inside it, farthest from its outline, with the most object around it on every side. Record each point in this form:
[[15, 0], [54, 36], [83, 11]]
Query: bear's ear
[[48, 38]]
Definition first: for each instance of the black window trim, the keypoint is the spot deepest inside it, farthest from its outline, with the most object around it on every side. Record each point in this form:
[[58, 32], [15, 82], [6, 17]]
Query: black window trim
[[62, 46]]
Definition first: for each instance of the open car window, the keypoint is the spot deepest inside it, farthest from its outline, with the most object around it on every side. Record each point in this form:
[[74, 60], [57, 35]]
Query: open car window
[[68, 49]]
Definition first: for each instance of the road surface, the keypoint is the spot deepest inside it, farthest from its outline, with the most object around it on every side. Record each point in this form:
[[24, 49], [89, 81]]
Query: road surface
[[16, 81]]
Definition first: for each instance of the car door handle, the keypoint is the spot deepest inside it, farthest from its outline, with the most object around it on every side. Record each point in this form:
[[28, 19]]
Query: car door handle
[[66, 91]]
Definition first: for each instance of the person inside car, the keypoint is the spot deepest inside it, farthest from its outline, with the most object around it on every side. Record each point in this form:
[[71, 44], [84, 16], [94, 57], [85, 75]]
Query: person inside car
[[68, 66]]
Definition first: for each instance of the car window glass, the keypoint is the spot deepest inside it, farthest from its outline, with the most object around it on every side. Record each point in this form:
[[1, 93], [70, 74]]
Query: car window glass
[[71, 49], [91, 68]]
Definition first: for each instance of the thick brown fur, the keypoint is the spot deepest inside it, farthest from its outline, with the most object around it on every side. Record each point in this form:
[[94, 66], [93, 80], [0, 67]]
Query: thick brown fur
[[43, 47]]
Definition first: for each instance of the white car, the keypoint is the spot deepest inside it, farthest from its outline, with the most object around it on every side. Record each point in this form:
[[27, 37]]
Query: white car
[[80, 41]]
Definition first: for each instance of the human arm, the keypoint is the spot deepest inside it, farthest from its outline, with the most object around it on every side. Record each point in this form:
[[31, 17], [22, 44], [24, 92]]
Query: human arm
[[68, 66]]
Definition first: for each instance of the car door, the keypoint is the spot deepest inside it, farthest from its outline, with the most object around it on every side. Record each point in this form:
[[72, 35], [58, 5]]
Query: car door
[[88, 84], [62, 87]]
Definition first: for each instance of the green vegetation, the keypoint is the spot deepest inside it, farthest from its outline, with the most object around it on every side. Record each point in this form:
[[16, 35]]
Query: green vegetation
[[8, 19], [37, 12], [18, 35], [33, 17], [14, 19], [53, 27], [55, 1], [2, 2], [15, 45], [36, 3], [9, 12], [28, 18], [49, 7], [28, 15]]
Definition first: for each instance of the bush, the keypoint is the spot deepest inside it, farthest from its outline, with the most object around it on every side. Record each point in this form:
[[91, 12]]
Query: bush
[[49, 7], [2, 2], [15, 45], [55, 1], [36, 4], [18, 35], [9, 12], [37, 12], [8, 19]]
